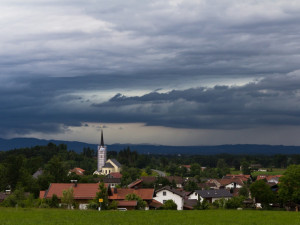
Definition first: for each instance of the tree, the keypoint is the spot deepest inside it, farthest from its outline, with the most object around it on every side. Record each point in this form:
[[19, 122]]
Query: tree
[[246, 167], [289, 186], [235, 202], [68, 197], [243, 191], [54, 203], [202, 205], [190, 186], [102, 194], [169, 205], [140, 203], [262, 193], [222, 168]]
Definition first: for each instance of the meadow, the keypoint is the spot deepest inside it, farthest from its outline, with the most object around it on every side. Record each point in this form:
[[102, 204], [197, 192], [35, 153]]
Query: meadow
[[204, 217]]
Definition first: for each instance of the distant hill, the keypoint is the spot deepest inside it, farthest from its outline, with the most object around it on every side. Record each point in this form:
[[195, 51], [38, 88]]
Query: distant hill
[[8, 144]]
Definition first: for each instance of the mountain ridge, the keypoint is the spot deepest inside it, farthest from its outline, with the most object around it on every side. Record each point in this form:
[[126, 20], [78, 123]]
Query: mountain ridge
[[15, 143]]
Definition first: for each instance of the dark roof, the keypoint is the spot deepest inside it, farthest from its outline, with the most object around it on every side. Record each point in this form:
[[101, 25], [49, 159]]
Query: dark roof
[[107, 165], [178, 180], [114, 175], [149, 179], [116, 162], [190, 203], [214, 193], [111, 180], [173, 190], [38, 173]]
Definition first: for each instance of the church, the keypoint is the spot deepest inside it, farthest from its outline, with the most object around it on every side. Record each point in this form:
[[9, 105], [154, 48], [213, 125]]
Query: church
[[104, 166]]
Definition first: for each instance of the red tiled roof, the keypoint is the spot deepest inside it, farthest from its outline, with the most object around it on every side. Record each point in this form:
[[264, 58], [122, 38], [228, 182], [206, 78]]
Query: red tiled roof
[[155, 204], [240, 176], [81, 191], [120, 193], [127, 203], [267, 177], [225, 182], [78, 171], [187, 166], [134, 183]]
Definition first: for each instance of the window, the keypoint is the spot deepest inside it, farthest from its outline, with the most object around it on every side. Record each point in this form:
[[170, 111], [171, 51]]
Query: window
[[164, 193], [195, 194]]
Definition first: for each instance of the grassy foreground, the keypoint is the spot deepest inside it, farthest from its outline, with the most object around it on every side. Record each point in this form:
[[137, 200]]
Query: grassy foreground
[[207, 217]]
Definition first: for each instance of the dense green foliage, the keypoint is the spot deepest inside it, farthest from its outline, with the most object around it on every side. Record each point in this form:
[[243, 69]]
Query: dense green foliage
[[262, 193], [289, 191], [169, 205]]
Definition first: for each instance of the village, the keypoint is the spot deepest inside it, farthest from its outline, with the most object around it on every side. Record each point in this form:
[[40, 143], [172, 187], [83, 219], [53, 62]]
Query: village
[[162, 191]]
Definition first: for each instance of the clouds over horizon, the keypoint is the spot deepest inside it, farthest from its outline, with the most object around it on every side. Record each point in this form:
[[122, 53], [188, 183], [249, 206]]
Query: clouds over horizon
[[217, 65]]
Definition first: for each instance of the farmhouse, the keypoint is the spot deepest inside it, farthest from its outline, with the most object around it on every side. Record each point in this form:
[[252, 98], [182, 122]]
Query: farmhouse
[[83, 193], [169, 193]]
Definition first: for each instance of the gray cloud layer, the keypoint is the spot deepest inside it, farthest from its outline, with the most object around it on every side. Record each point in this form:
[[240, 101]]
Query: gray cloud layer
[[54, 52]]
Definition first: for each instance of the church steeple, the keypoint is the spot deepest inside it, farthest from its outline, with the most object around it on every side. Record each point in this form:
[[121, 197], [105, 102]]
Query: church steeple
[[102, 141]]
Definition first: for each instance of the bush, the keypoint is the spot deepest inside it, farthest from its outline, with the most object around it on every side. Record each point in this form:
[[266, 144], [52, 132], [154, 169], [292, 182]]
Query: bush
[[169, 205], [202, 205], [93, 205], [235, 202]]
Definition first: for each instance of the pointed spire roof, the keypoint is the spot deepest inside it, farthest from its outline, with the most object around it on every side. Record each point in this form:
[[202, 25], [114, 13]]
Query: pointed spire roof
[[102, 141]]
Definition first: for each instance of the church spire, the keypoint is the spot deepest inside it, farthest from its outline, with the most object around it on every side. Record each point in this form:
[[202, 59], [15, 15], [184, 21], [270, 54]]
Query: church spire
[[102, 141]]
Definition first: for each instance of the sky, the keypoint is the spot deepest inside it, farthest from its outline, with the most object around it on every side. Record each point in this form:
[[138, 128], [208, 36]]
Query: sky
[[166, 72]]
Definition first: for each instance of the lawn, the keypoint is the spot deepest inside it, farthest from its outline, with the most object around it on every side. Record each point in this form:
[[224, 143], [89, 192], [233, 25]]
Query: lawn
[[207, 217]]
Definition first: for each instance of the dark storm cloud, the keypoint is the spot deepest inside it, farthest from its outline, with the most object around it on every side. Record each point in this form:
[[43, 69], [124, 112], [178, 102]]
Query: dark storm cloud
[[54, 52], [271, 101]]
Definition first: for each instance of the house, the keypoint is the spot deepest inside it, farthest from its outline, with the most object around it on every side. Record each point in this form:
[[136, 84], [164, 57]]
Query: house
[[135, 184], [188, 167], [83, 192], [119, 194], [210, 195], [112, 182], [78, 171], [227, 183], [269, 178], [207, 186], [129, 205], [243, 177], [111, 166], [169, 193]]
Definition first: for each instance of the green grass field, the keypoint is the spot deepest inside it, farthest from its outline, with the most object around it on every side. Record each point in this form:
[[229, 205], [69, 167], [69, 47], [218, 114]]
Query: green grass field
[[206, 217], [275, 171]]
